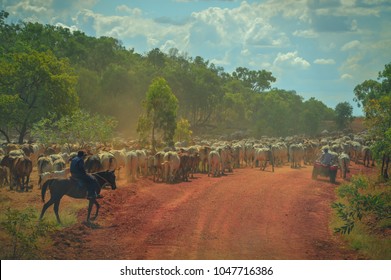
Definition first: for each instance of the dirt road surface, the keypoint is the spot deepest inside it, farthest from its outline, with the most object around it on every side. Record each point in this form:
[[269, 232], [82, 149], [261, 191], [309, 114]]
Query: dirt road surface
[[247, 214]]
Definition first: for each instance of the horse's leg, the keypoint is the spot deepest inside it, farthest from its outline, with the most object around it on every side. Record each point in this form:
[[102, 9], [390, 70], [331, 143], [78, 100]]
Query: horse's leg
[[90, 204], [56, 207], [97, 210], [45, 207]]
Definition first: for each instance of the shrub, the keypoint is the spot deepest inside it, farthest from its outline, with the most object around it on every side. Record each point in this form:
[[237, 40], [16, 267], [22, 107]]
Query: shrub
[[24, 233], [359, 204]]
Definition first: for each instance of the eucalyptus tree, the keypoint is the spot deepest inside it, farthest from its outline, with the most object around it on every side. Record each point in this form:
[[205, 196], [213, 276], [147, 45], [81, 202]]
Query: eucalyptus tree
[[375, 97], [343, 115], [161, 107]]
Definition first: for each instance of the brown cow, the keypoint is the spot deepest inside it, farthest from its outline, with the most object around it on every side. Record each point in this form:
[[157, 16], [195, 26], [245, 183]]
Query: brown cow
[[157, 166], [184, 166], [3, 175], [20, 170], [194, 164]]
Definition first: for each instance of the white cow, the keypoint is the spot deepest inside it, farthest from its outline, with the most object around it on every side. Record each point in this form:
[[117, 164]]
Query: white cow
[[45, 164], [131, 166], [249, 154], [226, 155], [214, 161], [63, 174], [59, 164], [120, 156], [171, 166], [108, 161], [296, 155], [263, 155], [343, 162], [142, 162]]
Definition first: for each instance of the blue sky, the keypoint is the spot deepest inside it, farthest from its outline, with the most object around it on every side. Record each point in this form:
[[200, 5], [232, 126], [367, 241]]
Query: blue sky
[[319, 48]]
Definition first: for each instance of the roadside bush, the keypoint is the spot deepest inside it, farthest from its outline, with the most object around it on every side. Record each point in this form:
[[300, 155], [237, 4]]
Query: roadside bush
[[361, 201], [24, 232]]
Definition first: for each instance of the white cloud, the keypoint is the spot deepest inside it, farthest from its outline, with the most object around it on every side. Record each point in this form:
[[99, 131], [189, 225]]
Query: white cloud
[[348, 3], [46, 11], [291, 59], [350, 45], [223, 61], [346, 76], [71, 28], [126, 9], [309, 33], [169, 44], [27, 6], [324, 61], [135, 25]]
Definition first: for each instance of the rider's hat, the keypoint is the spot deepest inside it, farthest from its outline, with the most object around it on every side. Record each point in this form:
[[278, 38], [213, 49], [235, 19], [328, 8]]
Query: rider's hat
[[81, 153]]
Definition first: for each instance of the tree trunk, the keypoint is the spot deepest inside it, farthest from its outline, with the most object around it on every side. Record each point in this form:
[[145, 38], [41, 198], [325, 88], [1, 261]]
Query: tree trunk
[[22, 133], [384, 167], [385, 175], [7, 138], [153, 144]]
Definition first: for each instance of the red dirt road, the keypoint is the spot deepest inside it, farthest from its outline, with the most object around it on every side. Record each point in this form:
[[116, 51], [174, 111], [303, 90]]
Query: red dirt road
[[248, 214]]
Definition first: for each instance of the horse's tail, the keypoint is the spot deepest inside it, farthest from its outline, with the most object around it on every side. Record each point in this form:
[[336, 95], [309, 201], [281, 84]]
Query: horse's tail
[[44, 187]]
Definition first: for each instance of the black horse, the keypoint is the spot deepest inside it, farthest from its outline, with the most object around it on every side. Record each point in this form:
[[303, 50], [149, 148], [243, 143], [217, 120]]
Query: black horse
[[70, 187]]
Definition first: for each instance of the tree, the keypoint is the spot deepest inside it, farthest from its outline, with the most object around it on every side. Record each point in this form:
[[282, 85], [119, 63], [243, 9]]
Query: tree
[[257, 81], [156, 58], [161, 107], [34, 84], [80, 127], [277, 113], [376, 101], [143, 127], [182, 131], [314, 112], [11, 108], [343, 112], [8, 34]]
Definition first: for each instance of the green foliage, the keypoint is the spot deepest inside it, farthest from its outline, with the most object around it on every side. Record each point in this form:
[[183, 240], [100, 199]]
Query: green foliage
[[312, 115], [161, 109], [39, 84], [344, 117], [143, 129], [24, 233], [359, 204], [80, 127], [276, 113], [257, 81], [183, 132], [375, 96], [110, 80]]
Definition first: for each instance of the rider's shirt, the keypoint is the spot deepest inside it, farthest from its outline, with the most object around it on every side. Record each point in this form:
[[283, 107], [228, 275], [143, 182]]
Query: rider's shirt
[[326, 159], [77, 167]]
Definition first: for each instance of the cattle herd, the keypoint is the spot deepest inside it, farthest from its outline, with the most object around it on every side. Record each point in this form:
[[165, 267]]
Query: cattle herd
[[179, 163]]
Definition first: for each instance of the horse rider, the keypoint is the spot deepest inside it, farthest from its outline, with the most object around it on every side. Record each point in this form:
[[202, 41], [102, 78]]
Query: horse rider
[[79, 173], [326, 158]]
